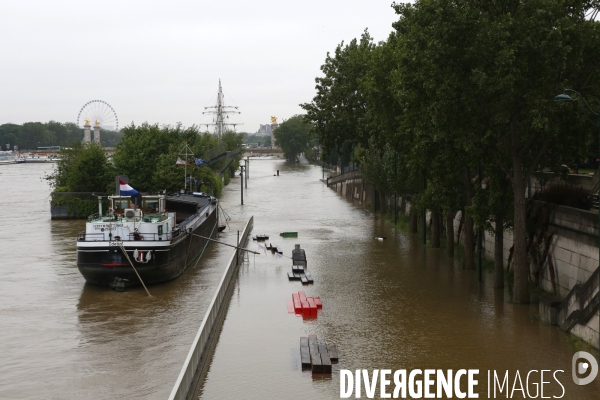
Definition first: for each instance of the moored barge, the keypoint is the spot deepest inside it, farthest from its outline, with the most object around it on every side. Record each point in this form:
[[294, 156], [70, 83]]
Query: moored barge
[[160, 234]]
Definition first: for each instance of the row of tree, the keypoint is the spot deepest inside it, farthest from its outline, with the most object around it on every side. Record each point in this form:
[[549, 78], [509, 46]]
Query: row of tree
[[260, 140], [462, 85], [147, 154], [32, 135], [292, 136]]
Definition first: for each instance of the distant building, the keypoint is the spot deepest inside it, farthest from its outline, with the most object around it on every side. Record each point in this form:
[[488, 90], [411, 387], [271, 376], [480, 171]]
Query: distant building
[[264, 130]]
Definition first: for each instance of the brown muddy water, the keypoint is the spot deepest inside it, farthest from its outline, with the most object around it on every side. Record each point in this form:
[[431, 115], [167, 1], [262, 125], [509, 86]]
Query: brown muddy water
[[389, 304]]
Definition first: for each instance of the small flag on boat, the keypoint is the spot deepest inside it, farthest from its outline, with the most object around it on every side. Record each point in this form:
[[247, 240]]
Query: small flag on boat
[[181, 162], [200, 161], [126, 190]]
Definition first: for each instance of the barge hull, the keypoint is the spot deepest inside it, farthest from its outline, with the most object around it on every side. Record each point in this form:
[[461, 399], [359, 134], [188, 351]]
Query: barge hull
[[102, 264]]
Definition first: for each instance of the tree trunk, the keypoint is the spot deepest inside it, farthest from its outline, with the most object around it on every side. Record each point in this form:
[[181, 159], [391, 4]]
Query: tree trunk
[[520, 260], [435, 229], [499, 254], [469, 241], [413, 220], [382, 202], [450, 233], [460, 225]]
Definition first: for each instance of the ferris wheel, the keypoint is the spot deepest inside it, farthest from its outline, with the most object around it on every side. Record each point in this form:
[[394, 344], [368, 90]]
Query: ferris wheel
[[98, 113]]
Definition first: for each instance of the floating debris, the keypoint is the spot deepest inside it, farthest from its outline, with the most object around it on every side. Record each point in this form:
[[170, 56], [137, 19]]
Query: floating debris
[[305, 306], [317, 357], [306, 278], [299, 256], [299, 273], [289, 234], [298, 269], [260, 238], [293, 277]]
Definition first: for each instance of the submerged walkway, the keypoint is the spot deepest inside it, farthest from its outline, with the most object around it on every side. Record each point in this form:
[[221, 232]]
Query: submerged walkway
[[386, 304]]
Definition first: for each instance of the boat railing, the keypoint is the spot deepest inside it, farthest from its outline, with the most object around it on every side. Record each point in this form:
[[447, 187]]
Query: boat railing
[[149, 217], [90, 237], [93, 217], [101, 236], [150, 236]]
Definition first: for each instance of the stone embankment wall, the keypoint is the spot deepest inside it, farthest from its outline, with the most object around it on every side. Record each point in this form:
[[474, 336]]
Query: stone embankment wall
[[574, 255], [574, 249]]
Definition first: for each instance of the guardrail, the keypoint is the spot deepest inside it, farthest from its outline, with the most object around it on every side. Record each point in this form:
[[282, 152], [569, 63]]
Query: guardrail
[[200, 346], [212, 153], [332, 180]]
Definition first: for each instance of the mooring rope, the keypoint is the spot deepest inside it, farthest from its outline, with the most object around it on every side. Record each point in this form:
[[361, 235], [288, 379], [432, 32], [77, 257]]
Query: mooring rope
[[138, 275], [227, 217], [227, 244], [205, 245]]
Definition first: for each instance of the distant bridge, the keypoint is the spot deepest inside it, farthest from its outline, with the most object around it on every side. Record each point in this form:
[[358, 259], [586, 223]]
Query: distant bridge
[[262, 152]]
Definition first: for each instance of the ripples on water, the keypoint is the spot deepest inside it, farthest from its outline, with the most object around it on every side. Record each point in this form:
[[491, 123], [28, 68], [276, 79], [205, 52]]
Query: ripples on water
[[61, 338], [390, 304], [386, 304]]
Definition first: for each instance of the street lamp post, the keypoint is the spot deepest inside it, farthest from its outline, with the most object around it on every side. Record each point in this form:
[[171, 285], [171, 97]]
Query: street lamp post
[[424, 211], [242, 183], [480, 237], [565, 98], [395, 194]]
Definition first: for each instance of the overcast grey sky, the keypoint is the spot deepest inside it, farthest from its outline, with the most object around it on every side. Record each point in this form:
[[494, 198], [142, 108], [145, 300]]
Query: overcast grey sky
[[160, 61]]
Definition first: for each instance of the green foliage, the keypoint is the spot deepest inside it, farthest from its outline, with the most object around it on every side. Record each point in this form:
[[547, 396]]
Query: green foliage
[[82, 168], [139, 155], [292, 136], [494, 203], [212, 182], [263, 141], [310, 154], [337, 111], [460, 83], [32, 135], [110, 138], [232, 140], [477, 81], [147, 155], [77, 207], [9, 134]]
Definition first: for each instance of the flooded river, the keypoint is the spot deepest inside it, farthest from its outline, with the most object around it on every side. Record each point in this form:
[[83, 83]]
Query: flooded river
[[387, 304], [61, 338]]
